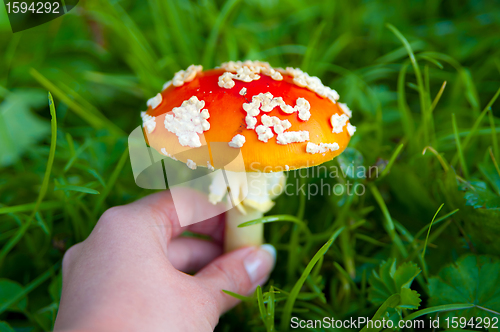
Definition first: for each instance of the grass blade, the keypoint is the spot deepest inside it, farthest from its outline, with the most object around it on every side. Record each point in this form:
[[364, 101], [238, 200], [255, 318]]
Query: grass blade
[[208, 56], [45, 183], [494, 137], [473, 130], [346, 275], [311, 47], [161, 28], [287, 311], [404, 109], [30, 206], [77, 189], [494, 160], [76, 155], [270, 308], [438, 97], [262, 308], [426, 119], [431, 60], [446, 216], [28, 288], [443, 162], [238, 296], [459, 147], [464, 133], [293, 252], [429, 231], [387, 168], [178, 30], [97, 122], [111, 181], [471, 91], [388, 224], [391, 302], [268, 219], [439, 308]]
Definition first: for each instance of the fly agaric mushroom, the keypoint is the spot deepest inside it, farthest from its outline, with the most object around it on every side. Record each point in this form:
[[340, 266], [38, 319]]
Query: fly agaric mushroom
[[278, 119]]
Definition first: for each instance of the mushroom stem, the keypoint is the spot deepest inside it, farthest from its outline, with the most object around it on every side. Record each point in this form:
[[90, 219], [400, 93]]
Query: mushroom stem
[[236, 237], [252, 194], [255, 198]]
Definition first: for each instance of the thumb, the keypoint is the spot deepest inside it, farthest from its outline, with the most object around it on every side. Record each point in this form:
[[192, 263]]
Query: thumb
[[239, 271]]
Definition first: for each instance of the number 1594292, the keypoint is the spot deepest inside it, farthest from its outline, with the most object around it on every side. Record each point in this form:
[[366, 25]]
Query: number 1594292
[[34, 7], [474, 322]]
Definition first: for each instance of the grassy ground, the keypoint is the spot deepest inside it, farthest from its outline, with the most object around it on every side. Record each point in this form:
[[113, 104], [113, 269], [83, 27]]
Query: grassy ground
[[417, 74]]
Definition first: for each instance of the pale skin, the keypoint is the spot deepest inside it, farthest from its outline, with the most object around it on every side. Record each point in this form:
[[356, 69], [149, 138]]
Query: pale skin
[[128, 274]]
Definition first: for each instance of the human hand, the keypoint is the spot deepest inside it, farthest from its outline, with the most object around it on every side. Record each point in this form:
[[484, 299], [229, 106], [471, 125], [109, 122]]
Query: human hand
[[126, 276]]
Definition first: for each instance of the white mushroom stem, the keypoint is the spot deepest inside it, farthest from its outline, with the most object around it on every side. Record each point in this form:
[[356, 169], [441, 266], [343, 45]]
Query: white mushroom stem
[[236, 237], [250, 196]]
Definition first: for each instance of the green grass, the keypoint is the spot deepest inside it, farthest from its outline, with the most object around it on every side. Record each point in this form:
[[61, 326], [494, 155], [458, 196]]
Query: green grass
[[422, 78]]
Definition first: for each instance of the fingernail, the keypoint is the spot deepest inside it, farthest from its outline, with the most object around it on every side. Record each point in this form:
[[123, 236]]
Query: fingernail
[[260, 262]]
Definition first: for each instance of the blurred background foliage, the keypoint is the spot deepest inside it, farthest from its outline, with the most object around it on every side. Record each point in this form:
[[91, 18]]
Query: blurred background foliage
[[429, 79]]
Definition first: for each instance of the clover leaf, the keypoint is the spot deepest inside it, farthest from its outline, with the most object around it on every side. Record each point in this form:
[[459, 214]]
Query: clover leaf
[[10, 289], [472, 279], [478, 195], [390, 280]]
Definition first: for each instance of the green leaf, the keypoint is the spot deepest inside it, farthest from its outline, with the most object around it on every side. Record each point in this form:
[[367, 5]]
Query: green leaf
[[410, 299], [390, 288], [4, 327], [481, 224], [10, 289], [55, 288], [405, 274], [19, 297], [472, 279], [479, 196], [351, 161], [47, 316], [16, 117], [490, 173], [389, 281]]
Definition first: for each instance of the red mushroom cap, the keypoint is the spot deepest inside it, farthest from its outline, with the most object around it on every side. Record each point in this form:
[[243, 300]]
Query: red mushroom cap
[[296, 126]]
